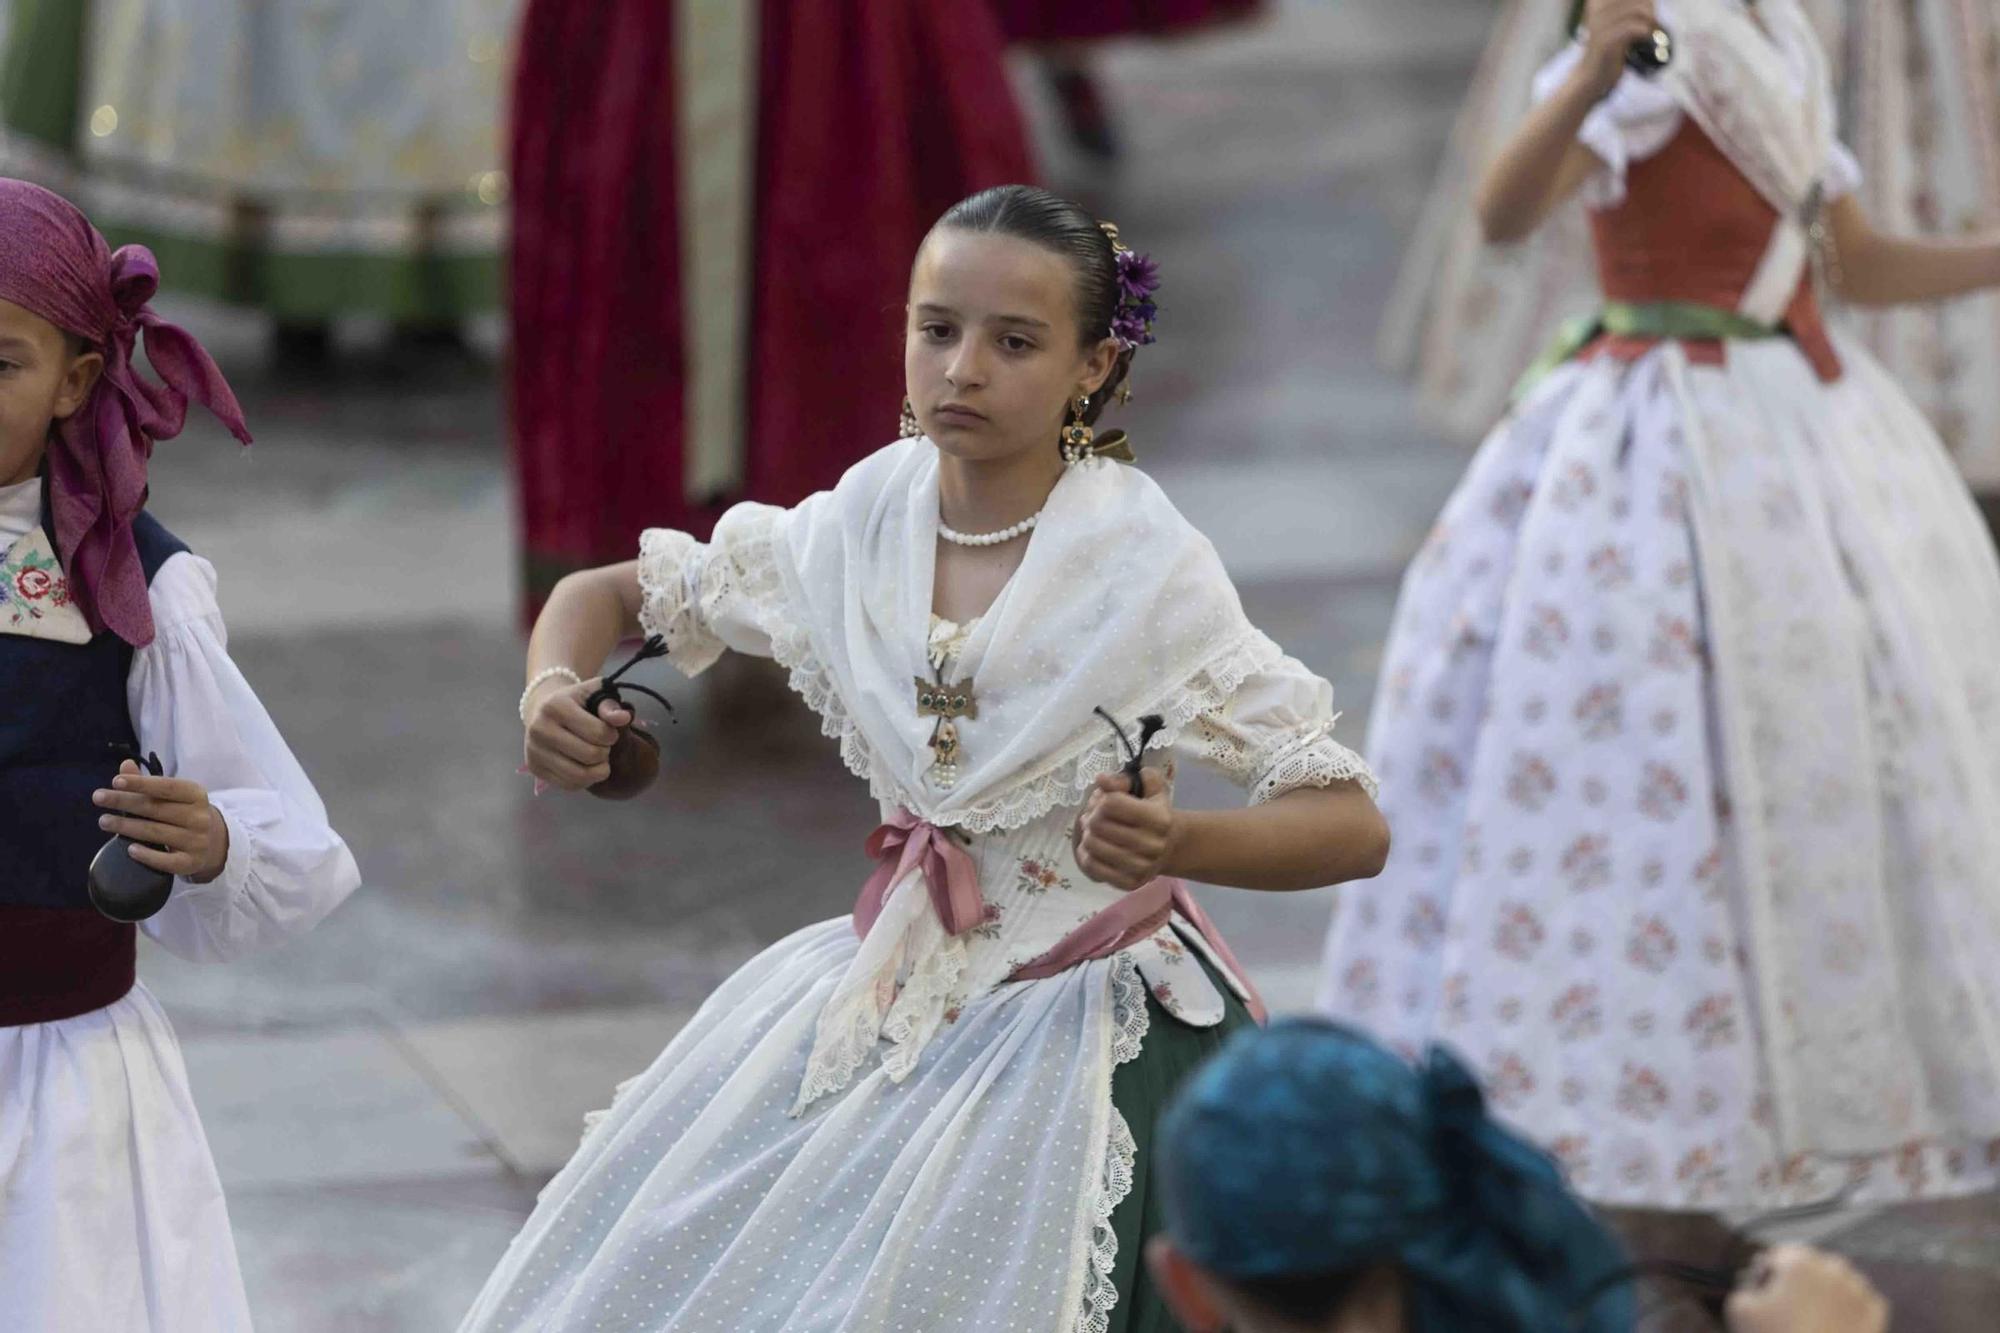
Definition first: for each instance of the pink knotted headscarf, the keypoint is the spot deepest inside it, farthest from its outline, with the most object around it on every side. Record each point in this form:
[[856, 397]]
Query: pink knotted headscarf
[[54, 264]]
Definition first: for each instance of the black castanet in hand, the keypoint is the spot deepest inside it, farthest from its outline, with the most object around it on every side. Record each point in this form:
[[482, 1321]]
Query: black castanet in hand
[[635, 755], [1650, 55], [1135, 764], [122, 888]]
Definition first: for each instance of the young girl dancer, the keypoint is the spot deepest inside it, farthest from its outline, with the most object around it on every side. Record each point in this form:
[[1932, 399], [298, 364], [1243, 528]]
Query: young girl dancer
[[934, 1114], [111, 1216], [1688, 710]]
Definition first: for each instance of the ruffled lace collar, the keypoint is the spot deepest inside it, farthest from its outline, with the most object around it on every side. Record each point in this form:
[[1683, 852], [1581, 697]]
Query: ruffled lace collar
[[1118, 603]]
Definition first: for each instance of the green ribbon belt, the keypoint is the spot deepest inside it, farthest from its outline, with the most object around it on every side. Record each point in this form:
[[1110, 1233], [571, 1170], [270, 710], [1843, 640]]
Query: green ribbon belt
[[1665, 320]]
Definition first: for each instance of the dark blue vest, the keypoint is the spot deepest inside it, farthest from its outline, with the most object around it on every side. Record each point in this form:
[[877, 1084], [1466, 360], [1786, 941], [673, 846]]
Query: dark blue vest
[[64, 728]]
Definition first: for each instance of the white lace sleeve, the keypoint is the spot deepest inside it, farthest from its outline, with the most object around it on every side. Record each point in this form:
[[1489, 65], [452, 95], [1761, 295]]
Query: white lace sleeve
[[1275, 734], [1639, 119], [704, 598]]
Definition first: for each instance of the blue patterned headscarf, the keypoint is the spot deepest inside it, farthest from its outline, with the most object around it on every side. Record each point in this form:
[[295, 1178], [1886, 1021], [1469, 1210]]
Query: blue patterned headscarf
[[1305, 1148]]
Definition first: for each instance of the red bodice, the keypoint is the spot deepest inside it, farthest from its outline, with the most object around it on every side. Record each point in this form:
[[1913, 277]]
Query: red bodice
[[1692, 228]]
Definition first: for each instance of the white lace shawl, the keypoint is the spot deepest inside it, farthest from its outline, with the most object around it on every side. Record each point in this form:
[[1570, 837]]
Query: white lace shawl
[[1118, 602]]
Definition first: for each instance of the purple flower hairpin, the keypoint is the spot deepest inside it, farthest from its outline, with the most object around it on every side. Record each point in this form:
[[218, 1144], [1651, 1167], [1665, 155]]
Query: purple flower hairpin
[[1138, 275], [1138, 279]]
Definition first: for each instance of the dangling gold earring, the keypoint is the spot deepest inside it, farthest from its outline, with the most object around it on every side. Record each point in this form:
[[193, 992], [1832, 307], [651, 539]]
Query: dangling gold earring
[[910, 426], [1077, 436]]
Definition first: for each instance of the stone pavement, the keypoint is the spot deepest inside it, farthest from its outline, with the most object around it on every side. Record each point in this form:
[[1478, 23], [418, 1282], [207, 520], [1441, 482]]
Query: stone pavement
[[385, 1097]]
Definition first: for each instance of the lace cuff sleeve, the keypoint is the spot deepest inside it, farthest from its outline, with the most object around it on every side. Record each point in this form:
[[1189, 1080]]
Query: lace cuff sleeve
[[706, 598], [670, 566], [1275, 735], [1310, 760]]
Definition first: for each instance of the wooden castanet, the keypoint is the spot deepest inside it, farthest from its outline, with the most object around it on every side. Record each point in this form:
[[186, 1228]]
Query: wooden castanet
[[635, 755], [635, 766]]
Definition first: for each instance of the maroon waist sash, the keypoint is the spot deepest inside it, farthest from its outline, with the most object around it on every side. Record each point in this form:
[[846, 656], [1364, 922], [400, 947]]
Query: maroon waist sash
[[59, 962]]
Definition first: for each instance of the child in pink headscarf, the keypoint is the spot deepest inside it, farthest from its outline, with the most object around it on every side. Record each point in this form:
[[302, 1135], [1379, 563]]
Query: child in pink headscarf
[[111, 643]]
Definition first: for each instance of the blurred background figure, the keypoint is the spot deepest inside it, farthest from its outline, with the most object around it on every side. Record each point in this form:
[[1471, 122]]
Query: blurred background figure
[[705, 191], [307, 159], [1610, 763], [1315, 1183], [1920, 106], [1059, 31], [1920, 83]]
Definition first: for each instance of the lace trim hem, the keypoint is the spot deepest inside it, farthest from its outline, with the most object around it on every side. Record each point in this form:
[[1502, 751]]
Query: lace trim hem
[[906, 1017], [1100, 1287], [840, 1045], [919, 1011], [1121, 1154]]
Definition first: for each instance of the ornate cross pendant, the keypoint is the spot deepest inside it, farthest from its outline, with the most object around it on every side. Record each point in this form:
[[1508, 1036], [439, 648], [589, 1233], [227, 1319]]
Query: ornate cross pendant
[[946, 703]]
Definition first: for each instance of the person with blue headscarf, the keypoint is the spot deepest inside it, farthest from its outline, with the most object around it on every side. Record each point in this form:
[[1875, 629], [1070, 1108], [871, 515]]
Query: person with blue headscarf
[[1314, 1182]]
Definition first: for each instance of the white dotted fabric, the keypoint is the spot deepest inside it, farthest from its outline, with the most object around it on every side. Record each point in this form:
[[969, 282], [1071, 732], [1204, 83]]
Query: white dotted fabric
[[972, 1196]]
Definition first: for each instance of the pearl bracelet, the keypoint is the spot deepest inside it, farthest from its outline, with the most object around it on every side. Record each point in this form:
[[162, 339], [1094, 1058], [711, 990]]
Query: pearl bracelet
[[540, 677]]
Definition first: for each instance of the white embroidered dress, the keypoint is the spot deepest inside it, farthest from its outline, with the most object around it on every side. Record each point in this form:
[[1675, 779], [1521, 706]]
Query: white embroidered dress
[[1692, 743], [112, 1219], [886, 1133]]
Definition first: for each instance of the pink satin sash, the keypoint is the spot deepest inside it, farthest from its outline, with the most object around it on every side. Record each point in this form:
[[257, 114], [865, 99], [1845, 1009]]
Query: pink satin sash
[[952, 879], [1136, 916], [949, 873]]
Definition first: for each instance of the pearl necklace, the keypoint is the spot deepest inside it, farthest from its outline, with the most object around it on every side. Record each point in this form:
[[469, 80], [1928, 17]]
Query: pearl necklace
[[1021, 529]]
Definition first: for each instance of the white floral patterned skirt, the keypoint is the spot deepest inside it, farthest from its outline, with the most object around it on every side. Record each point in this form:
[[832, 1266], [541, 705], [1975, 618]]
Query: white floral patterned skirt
[[976, 1194], [1690, 737]]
